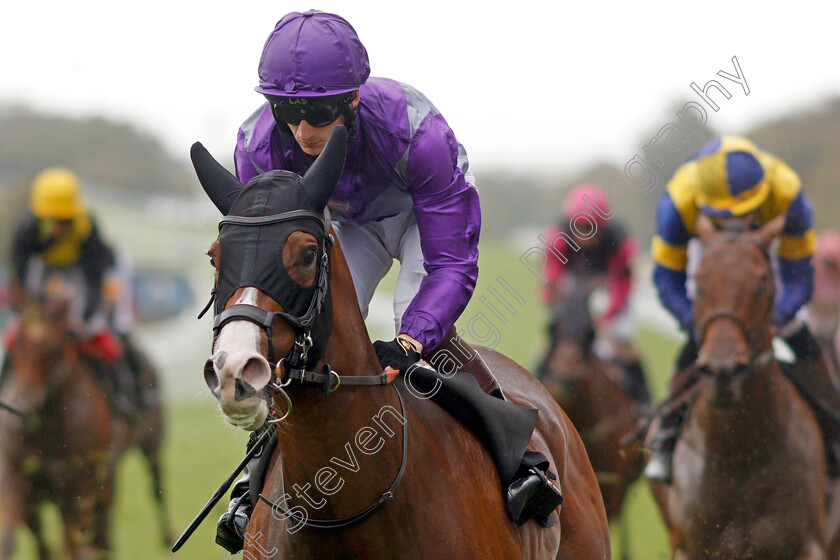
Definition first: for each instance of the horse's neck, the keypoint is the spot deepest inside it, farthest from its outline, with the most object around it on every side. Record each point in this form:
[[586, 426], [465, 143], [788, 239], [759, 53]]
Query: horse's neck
[[757, 422], [349, 350], [325, 427]]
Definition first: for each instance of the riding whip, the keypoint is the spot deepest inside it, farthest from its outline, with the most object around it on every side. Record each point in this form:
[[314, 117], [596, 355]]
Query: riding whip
[[258, 445], [11, 409]]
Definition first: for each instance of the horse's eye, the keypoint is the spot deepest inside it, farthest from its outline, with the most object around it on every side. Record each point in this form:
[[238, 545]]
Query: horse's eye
[[213, 261], [307, 258]]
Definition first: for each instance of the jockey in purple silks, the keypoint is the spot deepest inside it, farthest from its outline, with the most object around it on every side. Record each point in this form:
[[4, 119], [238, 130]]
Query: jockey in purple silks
[[406, 193]]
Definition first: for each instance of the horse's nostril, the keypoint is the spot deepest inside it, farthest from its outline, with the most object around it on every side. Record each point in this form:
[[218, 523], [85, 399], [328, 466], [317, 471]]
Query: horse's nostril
[[243, 390], [256, 373], [210, 378]]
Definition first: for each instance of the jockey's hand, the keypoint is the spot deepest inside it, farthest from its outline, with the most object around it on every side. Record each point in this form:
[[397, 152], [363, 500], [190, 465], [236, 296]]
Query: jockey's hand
[[399, 353]]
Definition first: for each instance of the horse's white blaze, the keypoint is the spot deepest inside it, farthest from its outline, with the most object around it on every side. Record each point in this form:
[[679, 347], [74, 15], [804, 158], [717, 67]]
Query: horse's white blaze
[[237, 357]]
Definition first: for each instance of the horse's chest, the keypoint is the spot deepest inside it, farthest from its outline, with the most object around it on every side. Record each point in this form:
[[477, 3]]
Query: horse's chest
[[742, 509]]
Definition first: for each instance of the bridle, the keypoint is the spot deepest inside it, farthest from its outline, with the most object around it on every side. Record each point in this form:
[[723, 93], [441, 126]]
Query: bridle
[[752, 336], [295, 362], [265, 319]]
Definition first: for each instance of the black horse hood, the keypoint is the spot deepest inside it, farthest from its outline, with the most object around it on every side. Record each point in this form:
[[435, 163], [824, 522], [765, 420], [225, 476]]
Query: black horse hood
[[258, 220]]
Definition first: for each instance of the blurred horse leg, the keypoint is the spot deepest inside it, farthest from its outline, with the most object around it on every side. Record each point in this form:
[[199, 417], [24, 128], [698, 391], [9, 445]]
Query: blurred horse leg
[[151, 437], [623, 533], [33, 521], [11, 511], [150, 447]]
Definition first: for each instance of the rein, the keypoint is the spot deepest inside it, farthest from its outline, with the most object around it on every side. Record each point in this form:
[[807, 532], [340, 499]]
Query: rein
[[369, 511], [11, 409]]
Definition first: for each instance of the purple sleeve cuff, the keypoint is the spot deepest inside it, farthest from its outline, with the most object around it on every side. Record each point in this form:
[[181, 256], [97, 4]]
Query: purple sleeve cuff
[[441, 300]]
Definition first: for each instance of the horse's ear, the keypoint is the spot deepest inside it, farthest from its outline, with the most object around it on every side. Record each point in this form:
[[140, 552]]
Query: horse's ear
[[320, 180], [704, 227], [219, 184], [769, 231]]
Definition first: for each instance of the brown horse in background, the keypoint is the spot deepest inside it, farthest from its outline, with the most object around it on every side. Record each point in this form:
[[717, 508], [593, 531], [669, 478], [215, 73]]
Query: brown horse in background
[[749, 467], [588, 389], [65, 447], [338, 452]]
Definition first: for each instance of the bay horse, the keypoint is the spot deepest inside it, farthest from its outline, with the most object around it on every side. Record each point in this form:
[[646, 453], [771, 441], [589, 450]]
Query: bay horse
[[589, 391], [65, 447], [749, 476], [359, 470]]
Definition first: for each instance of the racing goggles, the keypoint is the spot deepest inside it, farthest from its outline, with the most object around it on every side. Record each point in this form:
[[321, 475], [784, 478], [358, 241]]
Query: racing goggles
[[317, 111]]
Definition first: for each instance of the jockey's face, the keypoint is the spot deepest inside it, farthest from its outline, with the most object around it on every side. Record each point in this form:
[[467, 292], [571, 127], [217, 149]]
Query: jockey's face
[[747, 221], [56, 229], [585, 237], [312, 139]]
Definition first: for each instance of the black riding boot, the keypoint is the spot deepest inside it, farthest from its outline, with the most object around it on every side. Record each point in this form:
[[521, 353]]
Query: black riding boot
[[531, 495], [813, 380], [634, 384], [230, 530], [660, 463]]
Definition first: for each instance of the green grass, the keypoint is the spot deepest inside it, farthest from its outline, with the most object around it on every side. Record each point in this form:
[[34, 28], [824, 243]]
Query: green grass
[[201, 449], [200, 452]]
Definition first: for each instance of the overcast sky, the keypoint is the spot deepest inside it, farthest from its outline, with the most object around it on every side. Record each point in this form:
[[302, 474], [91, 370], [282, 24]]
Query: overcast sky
[[549, 84]]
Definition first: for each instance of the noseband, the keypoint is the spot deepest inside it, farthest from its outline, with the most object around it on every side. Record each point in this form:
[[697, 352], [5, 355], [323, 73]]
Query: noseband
[[755, 359]]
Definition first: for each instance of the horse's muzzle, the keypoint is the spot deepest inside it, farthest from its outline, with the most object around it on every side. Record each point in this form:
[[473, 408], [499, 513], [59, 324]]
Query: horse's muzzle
[[240, 401], [724, 379]]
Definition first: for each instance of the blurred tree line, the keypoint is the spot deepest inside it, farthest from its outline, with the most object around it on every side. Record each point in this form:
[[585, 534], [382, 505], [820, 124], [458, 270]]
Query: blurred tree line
[[119, 155], [98, 150], [807, 140]]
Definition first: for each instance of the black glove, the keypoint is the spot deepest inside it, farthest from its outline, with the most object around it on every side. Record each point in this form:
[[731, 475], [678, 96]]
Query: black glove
[[397, 353]]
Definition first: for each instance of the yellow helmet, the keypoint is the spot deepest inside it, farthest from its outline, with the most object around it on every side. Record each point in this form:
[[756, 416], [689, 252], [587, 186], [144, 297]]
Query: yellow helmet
[[56, 194], [730, 178]]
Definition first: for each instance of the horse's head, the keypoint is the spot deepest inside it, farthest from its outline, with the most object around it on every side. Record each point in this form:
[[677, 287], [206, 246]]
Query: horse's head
[[39, 341], [271, 276], [733, 306], [571, 336]]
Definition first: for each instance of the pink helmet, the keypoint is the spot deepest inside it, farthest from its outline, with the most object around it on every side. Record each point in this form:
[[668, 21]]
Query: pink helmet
[[582, 199]]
